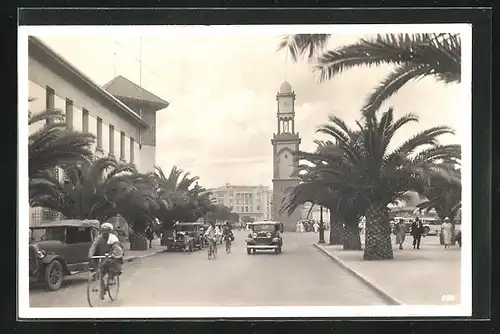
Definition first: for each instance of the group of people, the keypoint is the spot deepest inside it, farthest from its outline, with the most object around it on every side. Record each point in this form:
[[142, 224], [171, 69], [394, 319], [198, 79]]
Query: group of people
[[417, 230], [213, 233], [307, 226]]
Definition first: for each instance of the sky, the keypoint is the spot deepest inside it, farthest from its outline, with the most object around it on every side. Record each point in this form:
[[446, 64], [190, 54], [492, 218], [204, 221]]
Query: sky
[[222, 93]]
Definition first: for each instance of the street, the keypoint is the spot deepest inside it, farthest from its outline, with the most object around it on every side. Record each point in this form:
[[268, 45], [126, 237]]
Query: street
[[300, 276]]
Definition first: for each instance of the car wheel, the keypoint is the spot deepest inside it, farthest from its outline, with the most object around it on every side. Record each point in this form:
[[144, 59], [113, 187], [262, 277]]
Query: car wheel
[[54, 275], [249, 251]]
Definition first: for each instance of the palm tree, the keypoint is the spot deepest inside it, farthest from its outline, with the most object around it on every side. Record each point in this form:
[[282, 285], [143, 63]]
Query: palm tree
[[381, 176], [53, 145], [173, 196], [93, 190], [415, 56], [444, 195], [345, 204], [201, 200]]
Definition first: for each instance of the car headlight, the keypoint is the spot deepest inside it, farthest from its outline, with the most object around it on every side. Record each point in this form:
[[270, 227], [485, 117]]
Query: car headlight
[[254, 235], [40, 253], [268, 234], [275, 239]]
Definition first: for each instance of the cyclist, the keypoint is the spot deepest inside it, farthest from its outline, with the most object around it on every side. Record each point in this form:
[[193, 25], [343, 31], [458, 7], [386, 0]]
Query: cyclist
[[211, 234], [107, 243], [227, 233]]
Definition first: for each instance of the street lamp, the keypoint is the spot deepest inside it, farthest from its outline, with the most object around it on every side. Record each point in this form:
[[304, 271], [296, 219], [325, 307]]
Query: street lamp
[[321, 226]]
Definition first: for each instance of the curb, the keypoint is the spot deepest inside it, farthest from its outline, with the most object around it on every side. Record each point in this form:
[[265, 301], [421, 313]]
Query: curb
[[138, 257], [384, 295]]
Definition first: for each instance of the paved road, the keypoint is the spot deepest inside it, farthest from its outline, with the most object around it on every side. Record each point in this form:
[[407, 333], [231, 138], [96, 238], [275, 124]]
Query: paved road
[[300, 276]]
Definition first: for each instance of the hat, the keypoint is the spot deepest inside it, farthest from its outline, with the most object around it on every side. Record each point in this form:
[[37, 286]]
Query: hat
[[107, 227], [446, 218]]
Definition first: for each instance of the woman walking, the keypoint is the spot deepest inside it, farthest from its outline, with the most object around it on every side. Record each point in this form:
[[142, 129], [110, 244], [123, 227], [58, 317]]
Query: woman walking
[[399, 231], [447, 231]]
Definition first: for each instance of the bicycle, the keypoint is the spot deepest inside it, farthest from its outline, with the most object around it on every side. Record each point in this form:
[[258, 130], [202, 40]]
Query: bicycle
[[102, 281], [212, 249], [227, 240]]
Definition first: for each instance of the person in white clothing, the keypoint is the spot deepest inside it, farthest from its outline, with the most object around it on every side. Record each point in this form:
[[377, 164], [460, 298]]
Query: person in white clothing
[[316, 227], [446, 230]]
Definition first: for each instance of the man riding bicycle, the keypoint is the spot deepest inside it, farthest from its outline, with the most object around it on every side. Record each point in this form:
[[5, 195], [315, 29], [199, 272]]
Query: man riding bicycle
[[227, 235], [227, 232], [211, 234], [107, 243]]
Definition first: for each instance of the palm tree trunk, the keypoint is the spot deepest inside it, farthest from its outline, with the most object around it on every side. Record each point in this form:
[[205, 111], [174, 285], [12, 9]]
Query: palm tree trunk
[[352, 239], [335, 230], [378, 234]]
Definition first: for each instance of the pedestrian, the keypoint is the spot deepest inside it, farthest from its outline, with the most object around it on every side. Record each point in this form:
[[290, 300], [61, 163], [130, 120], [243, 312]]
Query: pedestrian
[[399, 231], [150, 234], [417, 229], [187, 243], [297, 227], [447, 232], [316, 227]]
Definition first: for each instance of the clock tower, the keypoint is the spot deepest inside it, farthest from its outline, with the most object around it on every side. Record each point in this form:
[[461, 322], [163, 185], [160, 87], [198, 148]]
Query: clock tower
[[285, 143]]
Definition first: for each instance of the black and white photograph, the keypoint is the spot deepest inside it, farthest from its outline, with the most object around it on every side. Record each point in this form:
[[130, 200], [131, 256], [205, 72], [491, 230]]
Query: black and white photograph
[[235, 171]]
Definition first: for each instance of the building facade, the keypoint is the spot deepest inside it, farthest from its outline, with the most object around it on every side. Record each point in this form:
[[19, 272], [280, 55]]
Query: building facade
[[285, 143], [123, 124], [251, 201]]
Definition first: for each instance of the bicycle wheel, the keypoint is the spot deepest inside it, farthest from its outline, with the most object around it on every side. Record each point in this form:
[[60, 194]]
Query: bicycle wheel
[[113, 287], [94, 289]]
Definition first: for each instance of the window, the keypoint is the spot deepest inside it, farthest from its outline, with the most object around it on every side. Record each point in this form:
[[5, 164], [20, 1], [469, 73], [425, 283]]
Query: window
[[85, 120], [76, 235], [131, 150], [111, 140], [99, 133], [122, 145], [49, 102], [69, 114]]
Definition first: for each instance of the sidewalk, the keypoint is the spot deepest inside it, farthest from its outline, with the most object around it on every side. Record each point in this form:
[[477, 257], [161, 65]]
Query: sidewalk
[[414, 277], [134, 255]]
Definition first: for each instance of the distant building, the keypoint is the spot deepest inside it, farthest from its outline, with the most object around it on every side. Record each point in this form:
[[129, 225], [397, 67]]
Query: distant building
[[285, 143], [120, 114], [251, 201]]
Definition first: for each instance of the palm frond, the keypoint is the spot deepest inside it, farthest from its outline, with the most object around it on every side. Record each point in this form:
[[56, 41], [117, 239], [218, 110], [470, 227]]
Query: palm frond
[[301, 45]]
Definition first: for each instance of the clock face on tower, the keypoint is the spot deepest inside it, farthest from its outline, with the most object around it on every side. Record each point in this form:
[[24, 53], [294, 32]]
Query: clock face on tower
[[285, 105]]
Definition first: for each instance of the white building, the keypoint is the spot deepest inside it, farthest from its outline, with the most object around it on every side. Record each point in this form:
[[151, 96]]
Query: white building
[[251, 201], [120, 114]]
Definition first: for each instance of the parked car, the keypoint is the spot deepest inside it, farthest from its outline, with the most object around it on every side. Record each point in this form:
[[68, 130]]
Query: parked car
[[60, 248], [265, 236], [194, 229]]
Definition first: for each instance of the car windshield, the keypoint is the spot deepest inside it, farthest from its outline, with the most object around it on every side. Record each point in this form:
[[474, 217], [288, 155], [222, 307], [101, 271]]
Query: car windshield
[[263, 228], [53, 233]]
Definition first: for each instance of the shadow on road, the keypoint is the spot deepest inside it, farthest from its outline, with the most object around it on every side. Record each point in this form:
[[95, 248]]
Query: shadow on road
[[67, 283]]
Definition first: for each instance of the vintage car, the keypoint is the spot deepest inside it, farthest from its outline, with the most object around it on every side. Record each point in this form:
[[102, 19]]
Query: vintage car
[[265, 236], [194, 229], [60, 248]]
